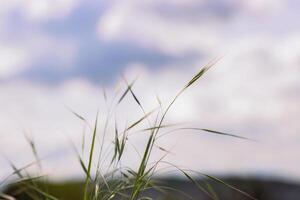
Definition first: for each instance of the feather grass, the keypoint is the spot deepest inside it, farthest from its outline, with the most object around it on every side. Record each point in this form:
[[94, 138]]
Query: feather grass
[[121, 181]]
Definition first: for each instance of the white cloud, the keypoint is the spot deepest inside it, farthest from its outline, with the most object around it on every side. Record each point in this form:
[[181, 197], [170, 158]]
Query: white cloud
[[12, 60], [21, 51], [39, 10], [264, 6], [253, 92], [21, 55], [152, 30], [140, 23]]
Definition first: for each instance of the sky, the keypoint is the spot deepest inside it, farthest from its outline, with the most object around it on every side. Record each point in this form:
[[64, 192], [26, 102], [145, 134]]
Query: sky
[[61, 54]]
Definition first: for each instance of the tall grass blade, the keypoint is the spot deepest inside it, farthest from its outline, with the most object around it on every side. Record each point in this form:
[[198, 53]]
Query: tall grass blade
[[90, 159]]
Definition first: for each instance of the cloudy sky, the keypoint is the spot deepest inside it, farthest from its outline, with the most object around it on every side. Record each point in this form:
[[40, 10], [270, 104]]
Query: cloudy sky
[[62, 53]]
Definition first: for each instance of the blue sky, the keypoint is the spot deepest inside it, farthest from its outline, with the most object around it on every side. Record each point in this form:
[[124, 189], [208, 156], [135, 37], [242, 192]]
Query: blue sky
[[63, 52]]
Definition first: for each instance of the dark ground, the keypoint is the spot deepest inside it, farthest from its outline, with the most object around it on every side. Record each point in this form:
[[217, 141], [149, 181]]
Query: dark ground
[[260, 189]]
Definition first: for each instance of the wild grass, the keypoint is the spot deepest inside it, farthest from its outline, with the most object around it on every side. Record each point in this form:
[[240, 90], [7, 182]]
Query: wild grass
[[121, 182]]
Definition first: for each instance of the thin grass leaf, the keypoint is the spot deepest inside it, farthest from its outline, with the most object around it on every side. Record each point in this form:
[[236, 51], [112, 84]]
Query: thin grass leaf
[[135, 98], [90, 158], [83, 141], [140, 120], [159, 127], [139, 178], [217, 132], [197, 184], [33, 149], [212, 192], [192, 81], [28, 179], [122, 145], [201, 72], [84, 167], [159, 101], [177, 191], [126, 91], [132, 93], [229, 186], [191, 179], [116, 144], [105, 182], [163, 149], [16, 171], [49, 196], [104, 94], [76, 114], [132, 172]]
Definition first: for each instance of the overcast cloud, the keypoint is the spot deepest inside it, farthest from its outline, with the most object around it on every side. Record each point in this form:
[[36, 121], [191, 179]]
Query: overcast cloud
[[61, 54]]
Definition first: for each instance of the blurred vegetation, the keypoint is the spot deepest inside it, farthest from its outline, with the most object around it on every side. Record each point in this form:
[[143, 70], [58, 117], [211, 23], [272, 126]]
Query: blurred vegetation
[[260, 189], [70, 190]]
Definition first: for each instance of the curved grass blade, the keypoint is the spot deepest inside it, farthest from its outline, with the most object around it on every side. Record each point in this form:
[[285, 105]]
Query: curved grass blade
[[159, 127], [197, 184], [209, 131], [218, 133], [229, 186], [90, 158], [140, 120]]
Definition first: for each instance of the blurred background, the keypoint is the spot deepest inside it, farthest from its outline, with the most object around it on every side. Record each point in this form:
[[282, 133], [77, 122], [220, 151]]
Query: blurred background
[[62, 54]]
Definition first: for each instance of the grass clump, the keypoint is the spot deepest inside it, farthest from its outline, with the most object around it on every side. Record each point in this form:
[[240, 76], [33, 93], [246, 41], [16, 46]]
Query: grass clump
[[121, 182]]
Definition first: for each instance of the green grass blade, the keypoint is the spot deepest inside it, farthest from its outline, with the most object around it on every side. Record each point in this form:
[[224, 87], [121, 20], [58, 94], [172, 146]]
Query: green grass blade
[[48, 196], [197, 184], [229, 186], [140, 120], [33, 149], [90, 159], [217, 132], [126, 91], [201, 72], [76, 114]]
